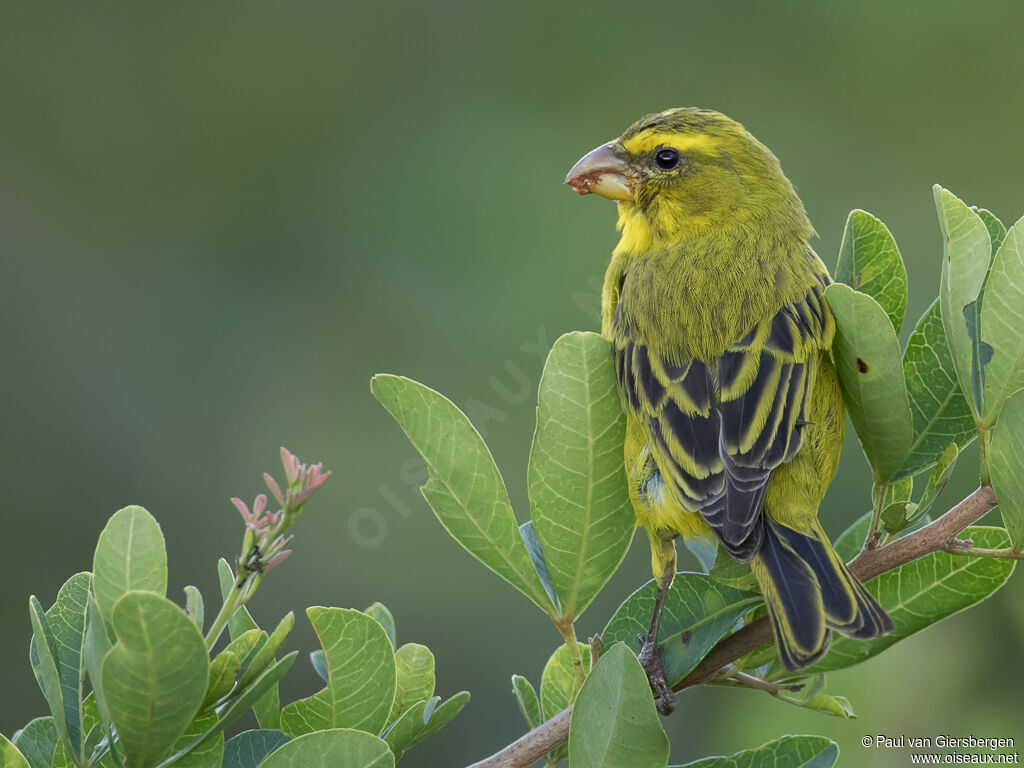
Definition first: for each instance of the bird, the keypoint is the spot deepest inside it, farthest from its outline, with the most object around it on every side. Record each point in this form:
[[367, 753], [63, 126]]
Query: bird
[[714, 306]]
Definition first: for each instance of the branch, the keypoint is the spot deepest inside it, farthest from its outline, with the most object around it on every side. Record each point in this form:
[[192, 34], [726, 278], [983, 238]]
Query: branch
[[526, 750], [934, 537], [742, 679], [937, 536]]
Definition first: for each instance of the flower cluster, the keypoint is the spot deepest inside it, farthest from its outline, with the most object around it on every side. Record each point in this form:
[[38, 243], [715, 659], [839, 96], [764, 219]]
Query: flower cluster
[[265, 538]]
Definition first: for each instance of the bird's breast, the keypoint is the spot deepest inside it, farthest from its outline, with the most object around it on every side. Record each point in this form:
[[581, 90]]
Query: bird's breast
[[695, 300]]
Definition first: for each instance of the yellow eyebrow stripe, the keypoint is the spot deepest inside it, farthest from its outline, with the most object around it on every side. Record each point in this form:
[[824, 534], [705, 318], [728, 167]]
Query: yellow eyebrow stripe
[[647, 142]]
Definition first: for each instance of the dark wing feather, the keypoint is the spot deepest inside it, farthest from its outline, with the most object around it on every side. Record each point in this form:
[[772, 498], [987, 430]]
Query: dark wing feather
[[717, 430], [764, 384]]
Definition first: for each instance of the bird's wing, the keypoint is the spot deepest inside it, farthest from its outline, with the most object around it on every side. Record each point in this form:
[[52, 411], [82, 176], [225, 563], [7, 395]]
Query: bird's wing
[[675, 404], [717, 430]]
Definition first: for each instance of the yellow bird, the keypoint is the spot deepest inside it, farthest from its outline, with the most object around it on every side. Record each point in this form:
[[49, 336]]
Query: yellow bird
[[714, 304]]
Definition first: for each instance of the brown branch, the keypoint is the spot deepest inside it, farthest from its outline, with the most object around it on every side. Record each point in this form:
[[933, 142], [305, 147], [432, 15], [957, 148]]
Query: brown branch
[[935, 537], [527, 749]]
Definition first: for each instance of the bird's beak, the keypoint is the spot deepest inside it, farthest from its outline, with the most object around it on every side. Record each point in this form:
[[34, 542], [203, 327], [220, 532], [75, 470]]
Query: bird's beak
[[603, 171]]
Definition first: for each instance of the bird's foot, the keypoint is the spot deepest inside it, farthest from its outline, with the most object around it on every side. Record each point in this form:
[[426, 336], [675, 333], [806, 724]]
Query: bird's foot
[[651, 662]]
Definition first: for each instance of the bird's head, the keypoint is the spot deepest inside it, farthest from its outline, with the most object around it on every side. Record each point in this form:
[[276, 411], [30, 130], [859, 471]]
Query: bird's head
[[685, 172]]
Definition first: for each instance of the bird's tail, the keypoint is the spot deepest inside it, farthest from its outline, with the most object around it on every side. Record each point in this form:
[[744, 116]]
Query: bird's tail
[[809, 592]]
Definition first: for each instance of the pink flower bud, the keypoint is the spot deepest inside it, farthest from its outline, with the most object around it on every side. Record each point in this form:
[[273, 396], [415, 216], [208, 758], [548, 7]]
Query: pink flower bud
[[303, 496], [291, 465], [319, 478], [276, 559], [275, 489], [282, 541], [243, 509]]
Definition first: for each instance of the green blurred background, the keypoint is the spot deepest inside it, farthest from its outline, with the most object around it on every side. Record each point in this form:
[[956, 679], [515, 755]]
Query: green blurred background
[[217, 222]]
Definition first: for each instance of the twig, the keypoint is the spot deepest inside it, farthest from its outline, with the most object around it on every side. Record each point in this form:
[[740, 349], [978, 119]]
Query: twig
[[758, 683], [527, 749], [937, 536], [568, 631], [933, 537], [1002, 554]]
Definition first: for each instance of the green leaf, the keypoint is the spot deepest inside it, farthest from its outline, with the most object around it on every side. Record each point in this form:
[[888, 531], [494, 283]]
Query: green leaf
[[540, 563], [698, 612], [249, 748], [733, 573], [940, 412], [937, 481], [210, 753], [870, 262], [229, 712], [899, 491], [465, 489], [154, 678], [246, 646], [10, 757], [812, 696], [36, 741], [1006, 467], [66, 620], [421, 720], [414, 665], [334, 748], [96, 731], [237, 707], [267, 708], [98, 734], [439, 716], [705, 550], [527, 699], [579, 500], [896, 505], [895, 516], [839, 706], [361, 676], [923, 592], [867, 357], [1002, 323], [996, 228], [997, 233], [319, 662], [264, 655], [97, 644], [968, 253], [223, 671], [614, 723], [194, 606], [558, 682], [379, 613], [409, 728], [43, 657], [130, 555], [787, 752]]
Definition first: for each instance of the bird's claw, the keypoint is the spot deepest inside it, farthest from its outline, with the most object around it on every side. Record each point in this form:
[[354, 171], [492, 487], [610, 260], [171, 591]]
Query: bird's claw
[[651, 662]]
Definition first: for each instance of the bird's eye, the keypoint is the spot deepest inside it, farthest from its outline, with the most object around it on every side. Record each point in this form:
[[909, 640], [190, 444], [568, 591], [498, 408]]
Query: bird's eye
[[667, 159]]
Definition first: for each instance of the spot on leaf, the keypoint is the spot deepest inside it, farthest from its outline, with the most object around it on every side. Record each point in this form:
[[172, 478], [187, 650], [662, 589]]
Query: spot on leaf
[[862, 366]]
